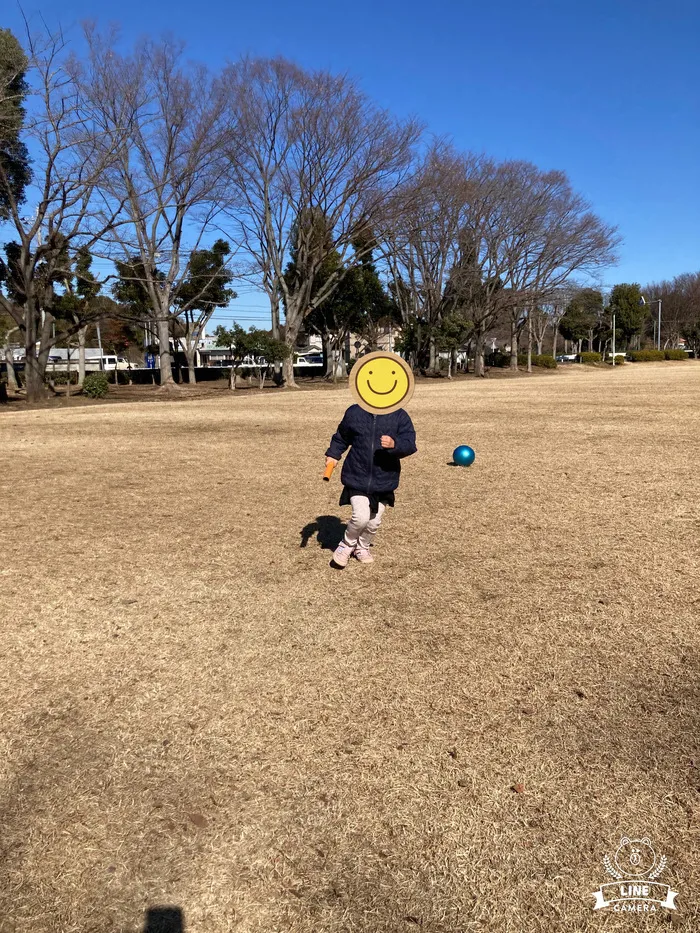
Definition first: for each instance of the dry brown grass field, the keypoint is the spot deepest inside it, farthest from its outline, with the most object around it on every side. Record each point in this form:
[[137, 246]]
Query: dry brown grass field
[[197, 711]]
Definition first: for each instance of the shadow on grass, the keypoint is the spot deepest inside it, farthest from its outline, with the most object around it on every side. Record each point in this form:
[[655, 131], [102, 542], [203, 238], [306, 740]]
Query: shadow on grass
[[328, 529], [164, 920]]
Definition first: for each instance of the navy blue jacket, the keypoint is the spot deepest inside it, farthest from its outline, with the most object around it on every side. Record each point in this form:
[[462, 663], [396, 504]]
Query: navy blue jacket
[[369, 466]]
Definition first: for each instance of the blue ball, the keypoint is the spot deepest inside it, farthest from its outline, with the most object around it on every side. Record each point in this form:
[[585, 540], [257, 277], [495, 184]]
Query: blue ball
[[463, 455]]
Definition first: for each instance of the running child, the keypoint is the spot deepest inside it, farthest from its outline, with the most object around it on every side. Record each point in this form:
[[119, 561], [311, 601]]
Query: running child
[[370, 474]]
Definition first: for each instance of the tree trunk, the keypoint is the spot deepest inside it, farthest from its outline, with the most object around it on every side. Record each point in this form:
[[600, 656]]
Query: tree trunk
[[514, 340], [288, 373], [339, 366], [433, 359], [539, 341], [555, 340], [82, 338], [590, 341], [32, 378], [166, 359], [232, 378], [35, 363], [291, 333], [190, 352], [11, 374], [479, 369], [328, 356], [278, 376], [529, 343]]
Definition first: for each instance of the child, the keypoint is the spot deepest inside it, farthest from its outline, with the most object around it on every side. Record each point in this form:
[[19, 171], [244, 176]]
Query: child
[[370, 473]]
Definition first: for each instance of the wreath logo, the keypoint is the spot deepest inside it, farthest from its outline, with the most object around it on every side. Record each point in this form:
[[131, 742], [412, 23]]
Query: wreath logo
[[635, 866]]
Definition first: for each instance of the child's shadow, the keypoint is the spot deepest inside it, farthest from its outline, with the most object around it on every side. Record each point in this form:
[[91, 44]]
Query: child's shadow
[[329, 531]]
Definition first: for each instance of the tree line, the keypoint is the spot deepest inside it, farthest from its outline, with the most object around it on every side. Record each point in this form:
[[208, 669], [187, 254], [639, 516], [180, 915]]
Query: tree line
[[188, 181]]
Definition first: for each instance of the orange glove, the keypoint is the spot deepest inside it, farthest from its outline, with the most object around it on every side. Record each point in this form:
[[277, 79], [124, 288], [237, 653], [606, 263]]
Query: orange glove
[[330, 466]]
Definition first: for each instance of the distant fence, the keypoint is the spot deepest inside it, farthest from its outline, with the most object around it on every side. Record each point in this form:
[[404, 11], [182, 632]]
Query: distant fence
[[205, 373], [143, 376]]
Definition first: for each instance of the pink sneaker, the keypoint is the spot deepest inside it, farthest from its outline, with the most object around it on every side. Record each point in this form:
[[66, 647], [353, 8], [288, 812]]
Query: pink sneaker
[[342, 554], [363, 555]]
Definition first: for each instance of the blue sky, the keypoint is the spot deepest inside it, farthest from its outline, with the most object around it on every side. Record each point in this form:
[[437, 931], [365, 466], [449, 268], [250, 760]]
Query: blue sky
[[607, 90]]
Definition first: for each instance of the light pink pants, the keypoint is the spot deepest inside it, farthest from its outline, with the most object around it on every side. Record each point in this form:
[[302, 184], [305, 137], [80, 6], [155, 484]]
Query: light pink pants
[[363, 524]]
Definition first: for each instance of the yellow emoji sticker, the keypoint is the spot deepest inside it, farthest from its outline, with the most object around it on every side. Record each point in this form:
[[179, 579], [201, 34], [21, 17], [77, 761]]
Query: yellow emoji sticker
[[381, 382]]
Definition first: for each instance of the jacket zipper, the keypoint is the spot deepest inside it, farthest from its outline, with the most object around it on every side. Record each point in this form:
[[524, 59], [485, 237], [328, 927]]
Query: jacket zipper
[[371, 462]]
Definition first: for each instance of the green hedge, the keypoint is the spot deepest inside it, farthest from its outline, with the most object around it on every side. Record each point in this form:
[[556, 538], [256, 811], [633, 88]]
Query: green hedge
[[96, 385], [541, 359], [591, 357], [619, 360], [646, 356], [61, 379], [497, 359], [675, 355]]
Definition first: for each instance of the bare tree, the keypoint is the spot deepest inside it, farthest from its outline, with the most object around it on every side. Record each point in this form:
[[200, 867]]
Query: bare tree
[[555, 307], [422, 243], [540, 320], [555, 234], [519, 317], [680, 298], [308, 144], [167, 174], [192, 328], [58, 208], [532, 234], [483, 273]]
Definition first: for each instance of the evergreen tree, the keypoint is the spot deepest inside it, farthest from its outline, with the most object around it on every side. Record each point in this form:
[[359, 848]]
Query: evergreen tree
[[205, 289], [130, 288], [15, 173], [208, 280], [360, 303], [583, 315], [77, 304], [252, 343], [630, 312]]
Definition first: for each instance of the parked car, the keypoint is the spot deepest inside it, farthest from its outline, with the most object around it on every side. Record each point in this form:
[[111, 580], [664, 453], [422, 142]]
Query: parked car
[[566, 358], [309, 359]]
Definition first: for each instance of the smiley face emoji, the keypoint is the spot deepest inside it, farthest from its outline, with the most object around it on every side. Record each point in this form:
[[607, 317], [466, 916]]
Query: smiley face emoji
[[381, 382]]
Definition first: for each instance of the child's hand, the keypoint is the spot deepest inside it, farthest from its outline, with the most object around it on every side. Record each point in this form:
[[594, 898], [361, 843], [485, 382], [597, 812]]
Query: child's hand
[[331, 460], [387, 441]]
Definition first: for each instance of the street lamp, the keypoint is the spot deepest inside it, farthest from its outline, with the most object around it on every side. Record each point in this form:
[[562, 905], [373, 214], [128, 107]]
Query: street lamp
[[658, 326]]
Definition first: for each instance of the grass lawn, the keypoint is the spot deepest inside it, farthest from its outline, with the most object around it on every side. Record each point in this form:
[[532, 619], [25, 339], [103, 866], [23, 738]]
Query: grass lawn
[[198, 712]]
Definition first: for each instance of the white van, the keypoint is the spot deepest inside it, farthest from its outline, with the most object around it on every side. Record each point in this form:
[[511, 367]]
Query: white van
[[58, 362]]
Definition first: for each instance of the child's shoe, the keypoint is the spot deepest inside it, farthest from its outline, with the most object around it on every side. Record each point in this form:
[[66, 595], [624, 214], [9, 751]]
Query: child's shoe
[[342, 554], [363, 555]]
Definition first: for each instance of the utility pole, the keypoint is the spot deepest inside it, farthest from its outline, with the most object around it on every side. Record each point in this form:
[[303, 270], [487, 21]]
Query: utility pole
[[99, 344], [657, 324], [613, 338]]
